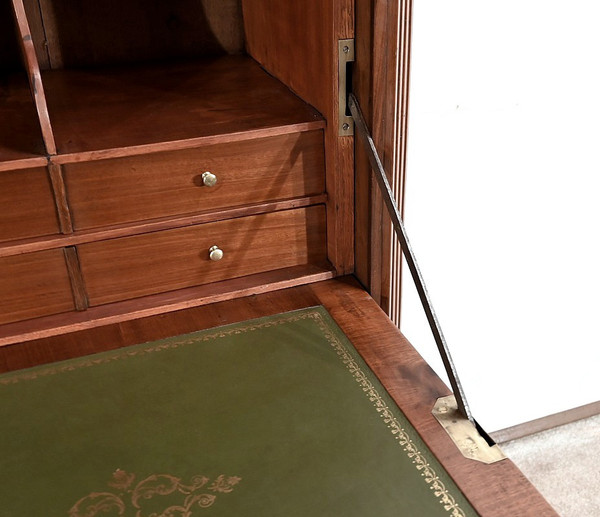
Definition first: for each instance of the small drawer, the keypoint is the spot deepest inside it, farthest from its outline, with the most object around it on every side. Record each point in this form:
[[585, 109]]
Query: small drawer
[[146, 264], [123, 190], [27, 204], [34, 284]]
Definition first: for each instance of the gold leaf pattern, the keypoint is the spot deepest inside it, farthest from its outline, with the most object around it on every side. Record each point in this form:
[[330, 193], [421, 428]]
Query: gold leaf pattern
[[400, 435], [150, 489], [404, 440]]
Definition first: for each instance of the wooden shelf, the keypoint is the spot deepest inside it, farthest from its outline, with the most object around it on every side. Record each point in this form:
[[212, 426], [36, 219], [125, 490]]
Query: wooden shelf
[[122, 109], [21, 143], [23, 331]]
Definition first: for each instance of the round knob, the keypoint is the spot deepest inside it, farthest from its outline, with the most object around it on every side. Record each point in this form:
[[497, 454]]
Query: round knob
[[215, 253], [209, 179]]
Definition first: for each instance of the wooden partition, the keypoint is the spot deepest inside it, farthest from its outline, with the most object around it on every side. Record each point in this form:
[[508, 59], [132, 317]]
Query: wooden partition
[[125, 115], [298, 43]]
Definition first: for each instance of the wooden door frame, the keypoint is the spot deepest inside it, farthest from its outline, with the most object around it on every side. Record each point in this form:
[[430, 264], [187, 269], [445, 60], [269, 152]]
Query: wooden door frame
[[381, 83]]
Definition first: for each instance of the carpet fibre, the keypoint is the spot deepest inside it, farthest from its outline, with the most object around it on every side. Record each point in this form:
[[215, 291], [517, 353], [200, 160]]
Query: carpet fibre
[[563, 465]]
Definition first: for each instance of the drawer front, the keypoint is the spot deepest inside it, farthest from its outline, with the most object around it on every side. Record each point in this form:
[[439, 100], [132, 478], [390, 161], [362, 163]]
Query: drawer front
[[122, 190], [28, 208], [173, 259], [34, 284]]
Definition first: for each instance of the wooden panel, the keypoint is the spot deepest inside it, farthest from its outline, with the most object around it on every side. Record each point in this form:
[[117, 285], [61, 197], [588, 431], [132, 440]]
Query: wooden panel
[[166, 223], [22, 138], [34, 75], [77, 284], [34, 285], [162, 303], [494, 490], [362, 88], [146, 264], [38, 35], [88, 32], [60, 195], [381, 85], [27, 204], [121, 190], [125, 107], [298, 43]]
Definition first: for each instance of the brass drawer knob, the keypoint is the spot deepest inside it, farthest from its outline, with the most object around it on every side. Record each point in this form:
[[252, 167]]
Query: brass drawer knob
[[209, 179], [215, 253]]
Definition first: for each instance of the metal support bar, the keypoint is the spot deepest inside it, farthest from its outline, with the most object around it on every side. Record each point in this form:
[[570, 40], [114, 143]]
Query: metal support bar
[[379, 172]]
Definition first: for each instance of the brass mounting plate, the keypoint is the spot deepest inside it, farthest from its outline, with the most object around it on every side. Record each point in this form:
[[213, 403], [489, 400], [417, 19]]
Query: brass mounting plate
[[345, 56], [464, 434]]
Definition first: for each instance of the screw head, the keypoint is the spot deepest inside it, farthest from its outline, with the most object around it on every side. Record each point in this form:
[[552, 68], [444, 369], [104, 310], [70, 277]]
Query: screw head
[[345, 126], [346, 49]]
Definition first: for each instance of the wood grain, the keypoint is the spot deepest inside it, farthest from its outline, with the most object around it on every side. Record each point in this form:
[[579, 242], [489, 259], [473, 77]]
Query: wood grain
[[77, 284], [27, 204], [21, 143], [160, 304], [60, 198], [298, 43], [174, 259], [21, 139], [124, 230], [33, 285], [94, 110], [495, 490], [38, 33], [88, 34], [110, 192], [362, 89], [35, 79]]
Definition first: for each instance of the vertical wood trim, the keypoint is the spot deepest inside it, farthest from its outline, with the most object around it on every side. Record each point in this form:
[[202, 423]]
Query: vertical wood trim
[[340, 156], [60, 198], [401, 147], [382, 90], [80, 297], [376, 242], [38, 32], [51, 34], [35, 78], [385, 90], [362, 79], [297, 42]]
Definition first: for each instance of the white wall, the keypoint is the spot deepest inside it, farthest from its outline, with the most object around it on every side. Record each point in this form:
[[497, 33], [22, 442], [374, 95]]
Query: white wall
[[503, 199]]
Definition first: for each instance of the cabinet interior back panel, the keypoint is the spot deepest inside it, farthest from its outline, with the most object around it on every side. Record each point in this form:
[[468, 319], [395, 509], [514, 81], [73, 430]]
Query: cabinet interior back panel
[[92, 33]]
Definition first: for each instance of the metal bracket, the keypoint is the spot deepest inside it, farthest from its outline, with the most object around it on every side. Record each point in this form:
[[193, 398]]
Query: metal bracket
[[345, 56], [464, 434], [407, 251]]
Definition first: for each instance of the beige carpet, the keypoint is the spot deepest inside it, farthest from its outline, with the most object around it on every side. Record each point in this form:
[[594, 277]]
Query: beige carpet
[[564, 464]]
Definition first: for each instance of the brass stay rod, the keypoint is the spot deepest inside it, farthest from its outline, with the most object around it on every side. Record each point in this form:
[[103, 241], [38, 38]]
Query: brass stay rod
[[380, 176]]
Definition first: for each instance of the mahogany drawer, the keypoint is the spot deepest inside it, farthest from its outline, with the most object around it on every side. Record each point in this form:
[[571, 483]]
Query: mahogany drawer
[[135, 188], [28, 208], [130, 267], [34, 284]]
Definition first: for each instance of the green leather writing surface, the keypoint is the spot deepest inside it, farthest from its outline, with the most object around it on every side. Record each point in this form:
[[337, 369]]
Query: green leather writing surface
[[271, 417]]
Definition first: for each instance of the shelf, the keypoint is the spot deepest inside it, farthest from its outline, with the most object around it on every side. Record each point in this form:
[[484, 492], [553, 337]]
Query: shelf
[[58, 324], [20, 135], [120, 109]]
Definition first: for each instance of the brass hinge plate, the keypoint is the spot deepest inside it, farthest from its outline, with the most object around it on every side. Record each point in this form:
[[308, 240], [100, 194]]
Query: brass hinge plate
[[345, 56], [464, 434]]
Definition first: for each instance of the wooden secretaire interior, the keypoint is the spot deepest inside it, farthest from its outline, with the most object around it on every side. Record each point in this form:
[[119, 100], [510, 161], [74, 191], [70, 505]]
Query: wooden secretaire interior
[[160, 156], [159, 159]]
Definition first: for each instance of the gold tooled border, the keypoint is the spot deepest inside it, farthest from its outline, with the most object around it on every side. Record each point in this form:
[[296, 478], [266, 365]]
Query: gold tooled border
[[428, 474]]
